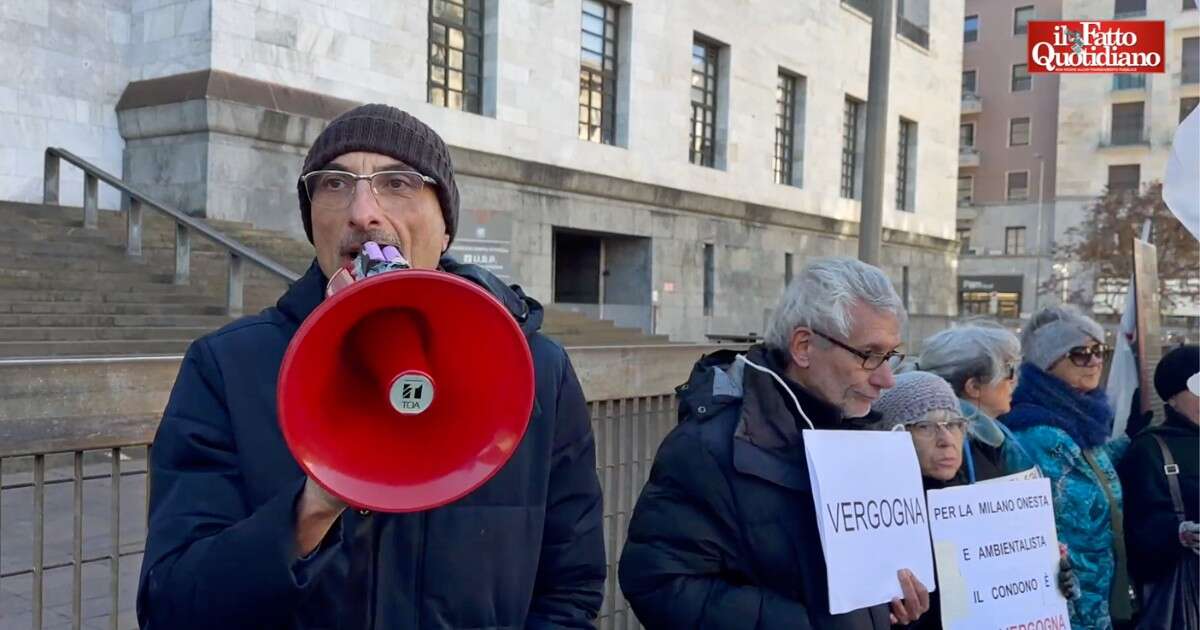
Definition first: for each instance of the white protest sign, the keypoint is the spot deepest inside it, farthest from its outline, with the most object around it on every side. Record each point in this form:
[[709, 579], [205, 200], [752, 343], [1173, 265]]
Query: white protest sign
[[871, 514], [997, 556], [1032, 473]]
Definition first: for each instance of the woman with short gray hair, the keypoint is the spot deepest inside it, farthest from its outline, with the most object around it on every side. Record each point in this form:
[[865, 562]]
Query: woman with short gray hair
[[980, 361], [1061, 416]]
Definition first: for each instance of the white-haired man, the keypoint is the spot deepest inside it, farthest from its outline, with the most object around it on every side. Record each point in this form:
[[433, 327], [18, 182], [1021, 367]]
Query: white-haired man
[[724, 534]]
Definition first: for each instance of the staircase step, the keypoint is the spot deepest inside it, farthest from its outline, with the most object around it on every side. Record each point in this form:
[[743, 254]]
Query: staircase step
[[92, 320], [64, 333], [20, 349], [186, 295], [108, 308]]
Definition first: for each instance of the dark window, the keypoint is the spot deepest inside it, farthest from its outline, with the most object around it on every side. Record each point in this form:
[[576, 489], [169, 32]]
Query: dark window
[[964, 238], [1018, 132], [704, 103], [1188, 4], [710, 271], [598, 72], [786, 97], [1129, 81], [906, 145], [1018, 186], [910, 27], [1014, 241], [1124, 178], [1186, 105], [1127, 122], [1021, 19], [456, 54], [1191, 60], [1021, 81], [861, 5], [968, 81], [966, 189], [971, 28], [1129, 8], [850, 123], [787, 269], [966, 135]]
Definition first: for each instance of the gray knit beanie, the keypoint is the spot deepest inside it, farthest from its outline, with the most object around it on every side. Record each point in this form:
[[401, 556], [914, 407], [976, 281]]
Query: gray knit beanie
[[1053, 331], [915, 395], [383, 129]]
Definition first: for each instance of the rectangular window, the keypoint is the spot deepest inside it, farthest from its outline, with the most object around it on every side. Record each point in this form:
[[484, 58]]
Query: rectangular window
[[710, 272], [1021, 17], [1129, 8], [703, 144], [788, 99], [1018, 132], [1127, 122], [964, 240], [456, 54], [969, 81], [1129, 81], [1188, 4], [966, 135], [787, 269], [1186, 105], [598, 72], [971, 28], [905, 160], [1014, 241], [966, 189], [1017, 186], [850, 132], [1021, 81], [1191, 60], [1124, 178]]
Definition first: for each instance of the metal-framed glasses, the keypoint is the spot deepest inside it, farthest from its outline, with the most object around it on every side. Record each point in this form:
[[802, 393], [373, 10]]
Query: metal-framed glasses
[[1082, 356], [870, 360], [928, 429], [333, 190]]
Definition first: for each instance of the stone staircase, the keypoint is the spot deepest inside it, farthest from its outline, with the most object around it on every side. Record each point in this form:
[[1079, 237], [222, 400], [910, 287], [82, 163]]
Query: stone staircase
[[68, 291]]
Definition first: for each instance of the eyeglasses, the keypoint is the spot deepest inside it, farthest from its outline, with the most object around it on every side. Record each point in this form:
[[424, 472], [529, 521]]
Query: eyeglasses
[[870, 360], [928, 429], [1082, 356], [1012, 372], [333, 190]]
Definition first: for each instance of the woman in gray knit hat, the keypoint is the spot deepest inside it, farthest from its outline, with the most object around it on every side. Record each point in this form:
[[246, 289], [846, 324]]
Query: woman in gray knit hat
[[979, 360], [925, 405], [1062, 418]]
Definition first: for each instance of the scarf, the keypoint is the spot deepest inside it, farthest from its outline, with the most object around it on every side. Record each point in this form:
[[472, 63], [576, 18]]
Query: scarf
[[1043, 399]]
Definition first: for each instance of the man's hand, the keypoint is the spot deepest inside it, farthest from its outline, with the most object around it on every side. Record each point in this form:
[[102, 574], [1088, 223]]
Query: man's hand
[[1189, 535], [915, 601], [316, 511]]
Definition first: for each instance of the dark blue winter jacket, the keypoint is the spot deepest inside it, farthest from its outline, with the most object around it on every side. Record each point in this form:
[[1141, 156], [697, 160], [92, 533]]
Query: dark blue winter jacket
[[525, 550]]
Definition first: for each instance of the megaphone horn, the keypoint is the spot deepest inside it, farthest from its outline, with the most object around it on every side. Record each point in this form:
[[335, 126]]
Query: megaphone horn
[[405, 391]]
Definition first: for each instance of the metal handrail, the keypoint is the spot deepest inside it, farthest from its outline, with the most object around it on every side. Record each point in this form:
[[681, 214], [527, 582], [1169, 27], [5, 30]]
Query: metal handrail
[[184, 226]]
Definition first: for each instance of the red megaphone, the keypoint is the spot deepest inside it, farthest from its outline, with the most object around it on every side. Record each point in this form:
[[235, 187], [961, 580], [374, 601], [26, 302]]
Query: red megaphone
[[406, 390]]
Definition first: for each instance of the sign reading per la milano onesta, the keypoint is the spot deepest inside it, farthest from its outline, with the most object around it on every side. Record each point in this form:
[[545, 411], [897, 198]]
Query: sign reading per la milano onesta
[[872, 519], [997, 556], [1096, 46]]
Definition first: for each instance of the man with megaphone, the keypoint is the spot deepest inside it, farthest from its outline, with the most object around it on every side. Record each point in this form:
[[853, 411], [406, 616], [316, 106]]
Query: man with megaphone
[[423, 399]]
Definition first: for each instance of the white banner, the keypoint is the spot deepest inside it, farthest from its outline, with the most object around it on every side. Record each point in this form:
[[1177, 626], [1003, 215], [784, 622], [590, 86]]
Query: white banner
[[871, 514], [997, 556]]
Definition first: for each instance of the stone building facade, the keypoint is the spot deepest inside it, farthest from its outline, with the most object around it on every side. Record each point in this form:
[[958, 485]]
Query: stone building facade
[[676, 213]]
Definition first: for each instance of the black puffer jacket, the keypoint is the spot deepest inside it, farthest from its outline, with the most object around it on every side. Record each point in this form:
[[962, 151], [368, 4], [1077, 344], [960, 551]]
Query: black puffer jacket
[[725, 534], [524, 550]]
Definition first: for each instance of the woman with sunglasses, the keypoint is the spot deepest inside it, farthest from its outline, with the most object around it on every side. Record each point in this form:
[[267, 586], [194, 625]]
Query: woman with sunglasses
[[926, 406], [1062, 417], [979, 360]]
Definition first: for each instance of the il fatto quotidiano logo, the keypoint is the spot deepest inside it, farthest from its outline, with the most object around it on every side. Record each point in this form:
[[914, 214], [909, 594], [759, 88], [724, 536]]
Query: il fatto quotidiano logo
[[1096, 46]]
